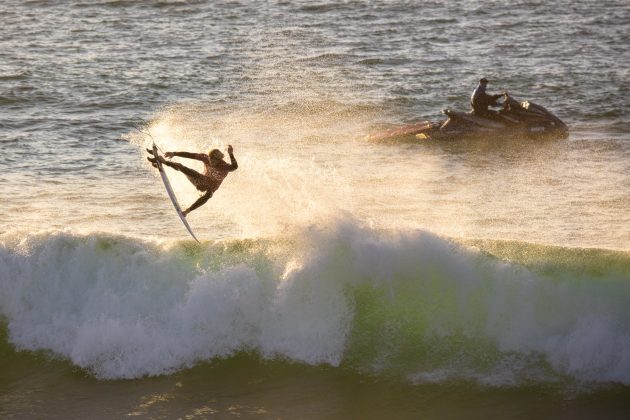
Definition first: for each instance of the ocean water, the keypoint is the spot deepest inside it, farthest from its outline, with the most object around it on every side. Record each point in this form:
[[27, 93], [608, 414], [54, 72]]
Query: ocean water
[[336, 277]]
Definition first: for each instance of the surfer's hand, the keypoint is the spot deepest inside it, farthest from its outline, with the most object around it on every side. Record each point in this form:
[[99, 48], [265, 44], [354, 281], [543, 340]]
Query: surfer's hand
[[230, 149], [168, 155]]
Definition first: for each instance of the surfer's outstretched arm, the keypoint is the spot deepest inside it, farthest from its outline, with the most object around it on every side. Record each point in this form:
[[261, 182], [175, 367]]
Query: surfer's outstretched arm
[[233, 162], [197, 156], [200, 202]]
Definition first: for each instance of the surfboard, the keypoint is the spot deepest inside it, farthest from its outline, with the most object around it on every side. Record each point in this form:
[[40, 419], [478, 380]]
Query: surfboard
[[171, 193]]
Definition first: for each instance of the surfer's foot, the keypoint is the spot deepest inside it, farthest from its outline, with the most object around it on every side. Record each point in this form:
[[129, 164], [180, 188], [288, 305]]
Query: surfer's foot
[[153, 162], [154, 159], [150, 151], [184, 212]]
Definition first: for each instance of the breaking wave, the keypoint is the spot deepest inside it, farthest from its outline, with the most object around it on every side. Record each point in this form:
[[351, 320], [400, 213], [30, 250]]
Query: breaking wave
[[406, 304]]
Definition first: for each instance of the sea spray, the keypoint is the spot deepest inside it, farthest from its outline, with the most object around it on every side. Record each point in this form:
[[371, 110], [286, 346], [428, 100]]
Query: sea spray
[[406, 304]]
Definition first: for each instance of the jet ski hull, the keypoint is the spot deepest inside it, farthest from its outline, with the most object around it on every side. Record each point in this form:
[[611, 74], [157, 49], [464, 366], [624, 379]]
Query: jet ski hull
[[516, 120]]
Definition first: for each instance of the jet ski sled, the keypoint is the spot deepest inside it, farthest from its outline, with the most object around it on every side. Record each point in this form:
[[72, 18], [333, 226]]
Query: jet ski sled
[[408, 131]]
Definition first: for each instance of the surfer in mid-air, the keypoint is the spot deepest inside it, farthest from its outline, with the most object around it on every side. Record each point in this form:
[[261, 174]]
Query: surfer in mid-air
[[215, 171]]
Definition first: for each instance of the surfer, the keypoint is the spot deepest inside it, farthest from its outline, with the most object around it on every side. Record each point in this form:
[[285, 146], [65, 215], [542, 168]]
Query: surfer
[[480, 100], [215, 171]]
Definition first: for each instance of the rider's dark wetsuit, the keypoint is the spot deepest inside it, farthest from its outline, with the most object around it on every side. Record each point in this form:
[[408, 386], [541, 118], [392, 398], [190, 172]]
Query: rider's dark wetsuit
[[480, 101], [214, 173]]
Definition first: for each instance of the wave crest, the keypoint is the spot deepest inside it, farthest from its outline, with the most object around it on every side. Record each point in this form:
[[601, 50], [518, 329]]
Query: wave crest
[[406, 304]]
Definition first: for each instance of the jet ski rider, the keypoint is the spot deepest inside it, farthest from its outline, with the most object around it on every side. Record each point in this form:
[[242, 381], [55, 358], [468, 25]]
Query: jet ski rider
[[480, 100]]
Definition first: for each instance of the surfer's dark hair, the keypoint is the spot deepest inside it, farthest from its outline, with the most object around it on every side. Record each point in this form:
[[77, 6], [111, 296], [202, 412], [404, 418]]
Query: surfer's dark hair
[[216, 154]]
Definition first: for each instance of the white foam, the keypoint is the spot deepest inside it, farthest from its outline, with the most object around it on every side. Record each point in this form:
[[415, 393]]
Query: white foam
[[134, 309], [124, 308]]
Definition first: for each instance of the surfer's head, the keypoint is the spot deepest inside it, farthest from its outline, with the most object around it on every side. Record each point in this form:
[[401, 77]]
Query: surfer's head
[[483, 81], [215, 154]]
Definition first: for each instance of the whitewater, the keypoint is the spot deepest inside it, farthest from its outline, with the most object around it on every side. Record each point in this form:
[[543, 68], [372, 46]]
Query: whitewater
[[409, 304]]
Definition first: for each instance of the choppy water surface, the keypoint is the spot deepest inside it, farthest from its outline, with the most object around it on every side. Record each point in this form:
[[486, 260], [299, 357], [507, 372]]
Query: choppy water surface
[[295, 86], [495, 264]]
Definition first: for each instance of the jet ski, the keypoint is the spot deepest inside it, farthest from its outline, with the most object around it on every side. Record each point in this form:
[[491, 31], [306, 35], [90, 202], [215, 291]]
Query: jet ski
[[516, 120]]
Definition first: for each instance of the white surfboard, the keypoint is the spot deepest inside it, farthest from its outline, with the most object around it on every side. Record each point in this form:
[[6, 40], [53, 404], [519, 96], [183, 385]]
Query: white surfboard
[[171, 193]]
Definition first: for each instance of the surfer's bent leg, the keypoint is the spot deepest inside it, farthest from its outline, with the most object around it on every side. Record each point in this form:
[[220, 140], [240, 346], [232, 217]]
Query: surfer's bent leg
[[190, 173], [200, 202]]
